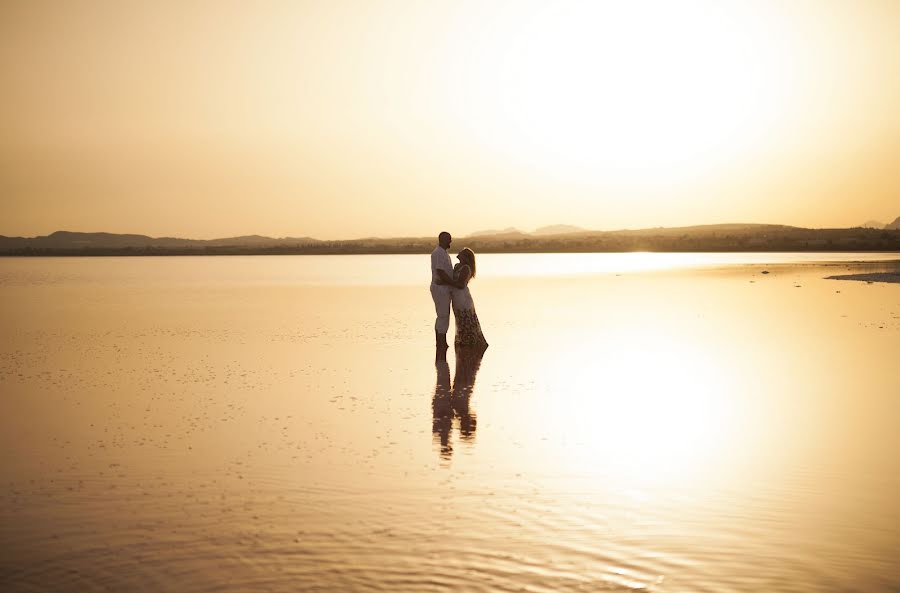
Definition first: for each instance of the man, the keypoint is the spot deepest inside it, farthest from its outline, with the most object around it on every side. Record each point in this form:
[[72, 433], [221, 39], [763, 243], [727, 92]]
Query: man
[[441, 281]]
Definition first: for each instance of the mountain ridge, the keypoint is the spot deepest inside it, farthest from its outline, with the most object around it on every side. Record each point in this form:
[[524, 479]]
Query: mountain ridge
[[716, 237], [106, 240], [874, 224]]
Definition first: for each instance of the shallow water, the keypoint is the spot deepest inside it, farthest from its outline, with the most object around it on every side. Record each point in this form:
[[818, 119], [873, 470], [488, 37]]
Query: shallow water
[[640, 421]]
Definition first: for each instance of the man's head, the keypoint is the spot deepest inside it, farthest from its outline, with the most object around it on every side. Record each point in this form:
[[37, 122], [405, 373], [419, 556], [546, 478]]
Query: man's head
[[444, 240]]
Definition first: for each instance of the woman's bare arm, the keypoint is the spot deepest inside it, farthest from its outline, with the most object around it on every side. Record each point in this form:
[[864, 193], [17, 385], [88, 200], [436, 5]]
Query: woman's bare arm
[[462, 278]]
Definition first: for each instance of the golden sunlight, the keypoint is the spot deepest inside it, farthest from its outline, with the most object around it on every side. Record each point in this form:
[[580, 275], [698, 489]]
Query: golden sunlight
[[617, 114], [652, 407], [245, 344], [635, 93]]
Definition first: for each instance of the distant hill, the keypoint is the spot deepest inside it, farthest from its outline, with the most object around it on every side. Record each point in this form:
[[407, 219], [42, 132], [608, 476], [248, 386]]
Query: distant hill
[[874, 224], [557, 229], [717, 237], [67, 240], [554, 229], [494, 233]]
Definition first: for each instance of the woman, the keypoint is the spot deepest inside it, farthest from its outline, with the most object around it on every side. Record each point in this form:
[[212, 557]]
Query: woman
[[468, 330]]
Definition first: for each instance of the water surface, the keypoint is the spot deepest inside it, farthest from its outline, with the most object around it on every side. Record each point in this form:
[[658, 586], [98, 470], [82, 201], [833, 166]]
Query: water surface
[[662, 422]]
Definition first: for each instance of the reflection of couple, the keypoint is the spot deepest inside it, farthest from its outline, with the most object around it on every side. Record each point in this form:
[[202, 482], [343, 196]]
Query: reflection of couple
[[451, 403], [450, 285]]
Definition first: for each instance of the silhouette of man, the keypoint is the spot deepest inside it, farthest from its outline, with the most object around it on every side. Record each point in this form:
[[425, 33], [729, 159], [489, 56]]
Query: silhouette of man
[[441, 404], [441, 281]]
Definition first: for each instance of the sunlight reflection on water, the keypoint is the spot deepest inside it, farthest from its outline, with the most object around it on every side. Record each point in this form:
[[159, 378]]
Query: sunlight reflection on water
[[371, 270], [288, 421], [588, 264]]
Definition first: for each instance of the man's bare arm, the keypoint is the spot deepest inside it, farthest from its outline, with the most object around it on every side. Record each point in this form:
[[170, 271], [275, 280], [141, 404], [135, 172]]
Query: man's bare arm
[[444, 277]]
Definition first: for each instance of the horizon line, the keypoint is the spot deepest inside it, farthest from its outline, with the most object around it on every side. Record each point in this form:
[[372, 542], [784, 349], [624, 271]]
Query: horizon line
[[472, 234]]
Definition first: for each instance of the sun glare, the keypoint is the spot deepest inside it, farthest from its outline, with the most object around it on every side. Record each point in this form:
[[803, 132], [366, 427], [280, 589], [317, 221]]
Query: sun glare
[[654, 409], [627, 88]]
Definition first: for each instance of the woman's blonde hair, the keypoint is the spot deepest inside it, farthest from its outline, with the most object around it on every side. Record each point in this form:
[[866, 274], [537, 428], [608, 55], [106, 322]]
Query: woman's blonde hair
[[469, 256]]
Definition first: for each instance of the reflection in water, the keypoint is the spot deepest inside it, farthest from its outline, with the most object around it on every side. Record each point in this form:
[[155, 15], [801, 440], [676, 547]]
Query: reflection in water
[[677, 433], [452, 402]]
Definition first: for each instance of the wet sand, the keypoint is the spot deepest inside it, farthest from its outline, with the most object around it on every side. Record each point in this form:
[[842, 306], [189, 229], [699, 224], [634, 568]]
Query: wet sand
[[884, 277], [247, 424]]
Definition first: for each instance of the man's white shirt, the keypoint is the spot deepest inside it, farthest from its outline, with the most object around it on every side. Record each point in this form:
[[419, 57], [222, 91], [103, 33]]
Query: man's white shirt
[[440, 260]]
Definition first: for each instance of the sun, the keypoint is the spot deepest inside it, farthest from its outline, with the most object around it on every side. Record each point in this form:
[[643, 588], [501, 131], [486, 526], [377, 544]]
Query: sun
[[627, 92]]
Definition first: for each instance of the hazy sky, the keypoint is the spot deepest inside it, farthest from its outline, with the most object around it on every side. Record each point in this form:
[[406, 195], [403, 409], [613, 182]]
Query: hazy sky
[[348, 119]]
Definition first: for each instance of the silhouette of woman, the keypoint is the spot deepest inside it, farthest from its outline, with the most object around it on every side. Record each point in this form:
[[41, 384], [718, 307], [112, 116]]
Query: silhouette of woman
[[468, 328]]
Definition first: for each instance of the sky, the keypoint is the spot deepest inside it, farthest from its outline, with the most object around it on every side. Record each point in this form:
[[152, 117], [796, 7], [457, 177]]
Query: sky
[[355, 119]]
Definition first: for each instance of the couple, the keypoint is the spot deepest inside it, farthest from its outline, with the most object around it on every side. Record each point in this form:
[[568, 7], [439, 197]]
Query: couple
[[451, 285]]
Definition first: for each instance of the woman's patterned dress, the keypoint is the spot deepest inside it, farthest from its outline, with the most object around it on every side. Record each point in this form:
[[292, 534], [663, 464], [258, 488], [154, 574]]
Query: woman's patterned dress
[[468, 329]]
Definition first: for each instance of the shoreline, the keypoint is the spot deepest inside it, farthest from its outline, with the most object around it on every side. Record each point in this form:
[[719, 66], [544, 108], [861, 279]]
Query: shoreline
[[883, 277]]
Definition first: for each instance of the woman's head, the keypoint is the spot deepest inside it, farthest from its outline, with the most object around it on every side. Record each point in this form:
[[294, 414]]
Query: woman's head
[[467, 256]]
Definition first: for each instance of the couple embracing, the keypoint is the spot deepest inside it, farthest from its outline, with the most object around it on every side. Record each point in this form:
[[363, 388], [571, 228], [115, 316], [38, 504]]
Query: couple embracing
[[450, 286]]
